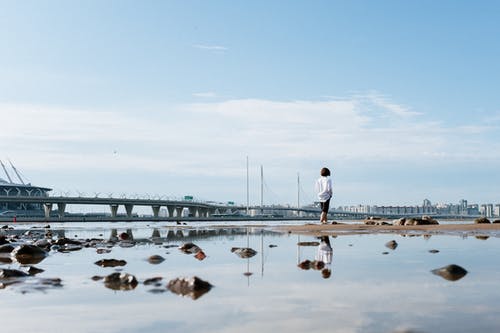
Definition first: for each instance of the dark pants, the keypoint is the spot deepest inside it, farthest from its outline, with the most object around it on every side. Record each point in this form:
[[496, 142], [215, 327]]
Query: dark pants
[[325, 206]]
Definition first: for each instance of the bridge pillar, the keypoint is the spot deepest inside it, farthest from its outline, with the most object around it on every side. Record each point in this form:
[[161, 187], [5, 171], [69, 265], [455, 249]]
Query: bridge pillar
[[61, 207], [114, 210], [156, 211], [193, 211], [47, 207], [178, 211], [171, 211], [203, 212], [128, 209]]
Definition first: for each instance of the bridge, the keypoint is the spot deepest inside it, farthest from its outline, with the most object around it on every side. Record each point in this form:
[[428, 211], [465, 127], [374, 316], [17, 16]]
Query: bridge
[[198, 210]]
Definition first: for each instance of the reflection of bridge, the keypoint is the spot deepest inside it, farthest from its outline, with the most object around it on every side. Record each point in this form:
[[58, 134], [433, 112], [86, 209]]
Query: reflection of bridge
[[175, 208]]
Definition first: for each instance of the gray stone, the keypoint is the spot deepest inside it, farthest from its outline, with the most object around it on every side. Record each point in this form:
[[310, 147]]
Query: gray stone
[[450, 272]]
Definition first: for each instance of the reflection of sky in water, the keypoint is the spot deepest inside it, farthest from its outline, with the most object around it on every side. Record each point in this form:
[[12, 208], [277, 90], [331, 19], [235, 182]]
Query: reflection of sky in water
[[367, 291]]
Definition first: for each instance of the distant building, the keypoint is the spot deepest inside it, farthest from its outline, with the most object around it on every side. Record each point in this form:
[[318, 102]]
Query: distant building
[[12, 189]]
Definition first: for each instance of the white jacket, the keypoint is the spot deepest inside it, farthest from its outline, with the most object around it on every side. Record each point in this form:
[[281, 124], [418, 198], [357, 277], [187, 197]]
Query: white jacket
[[324, 188]]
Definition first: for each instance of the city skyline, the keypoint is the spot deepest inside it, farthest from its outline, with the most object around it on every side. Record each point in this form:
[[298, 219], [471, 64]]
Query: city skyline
[[399, 99]]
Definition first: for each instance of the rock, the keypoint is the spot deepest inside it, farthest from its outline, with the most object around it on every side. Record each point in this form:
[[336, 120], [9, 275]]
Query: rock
[[110, 263], [29, 254], [69, 248], [272, 245], [191, 287], [450, 272], [482, 237], [64, 241], [32, 270], [6, 248], [244, 252], [124, 236], [400, 221], [372, 220], [120, 281], [156, 259], [426, 220], [11, 273], [391, 244], [200, 255], [481, 220], [385, 252], [102, 251], [496, 221], [434, 251], [189, 248], [3, 240], [154, 280], [43, 243], [97, 278]]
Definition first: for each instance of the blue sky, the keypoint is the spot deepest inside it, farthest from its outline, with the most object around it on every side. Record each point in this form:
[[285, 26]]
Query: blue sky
[[399, 98]]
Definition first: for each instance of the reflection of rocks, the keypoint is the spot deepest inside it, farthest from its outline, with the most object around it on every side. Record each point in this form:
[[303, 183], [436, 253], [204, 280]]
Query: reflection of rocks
[[156, 259], [482, 220], [391, 244], [120, 281], [450, 272], [192, 287], [28, 254], [244, 252], [154, 281], [110, 263], [308, 264], [308, 243]]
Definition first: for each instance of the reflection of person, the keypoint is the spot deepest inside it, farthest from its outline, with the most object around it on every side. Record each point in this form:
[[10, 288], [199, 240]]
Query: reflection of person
[[325, 253], [325, 192]]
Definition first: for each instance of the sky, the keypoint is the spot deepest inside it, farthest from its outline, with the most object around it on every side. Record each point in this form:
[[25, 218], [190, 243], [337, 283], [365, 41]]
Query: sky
[[169, 98]]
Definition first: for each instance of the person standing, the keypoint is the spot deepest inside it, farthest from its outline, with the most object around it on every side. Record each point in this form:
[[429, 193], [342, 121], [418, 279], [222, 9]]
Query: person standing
[[325, 192]]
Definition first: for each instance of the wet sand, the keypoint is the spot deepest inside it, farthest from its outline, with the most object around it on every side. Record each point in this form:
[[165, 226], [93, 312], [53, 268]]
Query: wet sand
[[361, 228]]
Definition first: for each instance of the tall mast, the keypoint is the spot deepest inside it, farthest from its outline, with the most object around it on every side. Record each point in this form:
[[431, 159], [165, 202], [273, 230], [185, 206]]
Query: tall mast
[[298, 190], [5, 169], [17, 173], [261, 189], [248, 192], [298, 193]]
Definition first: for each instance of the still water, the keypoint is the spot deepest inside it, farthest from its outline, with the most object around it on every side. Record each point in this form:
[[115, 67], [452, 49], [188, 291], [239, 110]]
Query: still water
[[367, 291]]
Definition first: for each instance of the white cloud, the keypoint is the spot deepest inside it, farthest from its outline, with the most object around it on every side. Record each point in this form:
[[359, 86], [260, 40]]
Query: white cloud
[[212, 139], [208, 94], [217, 48]]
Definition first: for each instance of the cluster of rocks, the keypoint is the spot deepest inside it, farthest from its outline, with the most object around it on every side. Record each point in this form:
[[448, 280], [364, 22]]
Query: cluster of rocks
[[424, 220], [484, 220], [404, 221]]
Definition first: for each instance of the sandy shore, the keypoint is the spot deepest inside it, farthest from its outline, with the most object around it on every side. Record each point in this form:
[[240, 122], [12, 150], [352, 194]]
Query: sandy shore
[[361, 228]]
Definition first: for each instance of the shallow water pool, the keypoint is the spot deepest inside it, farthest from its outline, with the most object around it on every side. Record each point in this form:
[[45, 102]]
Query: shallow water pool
[[371, 287]]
